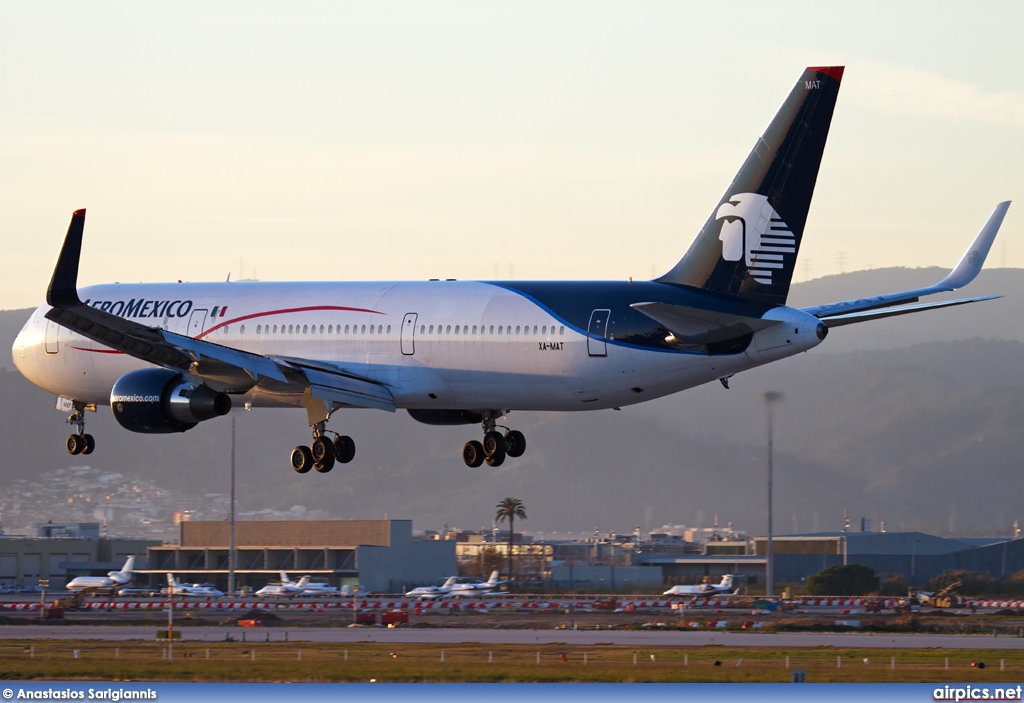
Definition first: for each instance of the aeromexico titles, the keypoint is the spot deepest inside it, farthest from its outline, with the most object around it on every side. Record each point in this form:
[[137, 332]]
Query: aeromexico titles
[[168, 356]]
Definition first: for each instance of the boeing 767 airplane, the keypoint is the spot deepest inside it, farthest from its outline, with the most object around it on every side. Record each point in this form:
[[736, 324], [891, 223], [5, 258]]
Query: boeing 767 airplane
[[167, 356]]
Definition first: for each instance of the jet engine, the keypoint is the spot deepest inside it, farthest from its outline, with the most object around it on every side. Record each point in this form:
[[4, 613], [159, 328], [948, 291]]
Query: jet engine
[[159, 401]]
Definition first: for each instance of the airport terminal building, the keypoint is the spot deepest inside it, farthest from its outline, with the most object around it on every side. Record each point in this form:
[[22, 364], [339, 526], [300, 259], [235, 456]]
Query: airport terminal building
[[378, 555]]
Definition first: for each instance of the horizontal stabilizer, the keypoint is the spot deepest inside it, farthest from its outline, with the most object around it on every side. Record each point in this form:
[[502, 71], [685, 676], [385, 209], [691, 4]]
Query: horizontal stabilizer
[[965, 272], [697, 326], [864, 316]]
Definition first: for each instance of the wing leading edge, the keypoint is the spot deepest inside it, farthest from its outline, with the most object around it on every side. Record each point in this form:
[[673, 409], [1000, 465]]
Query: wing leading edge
[[850, 311], [224, 368]]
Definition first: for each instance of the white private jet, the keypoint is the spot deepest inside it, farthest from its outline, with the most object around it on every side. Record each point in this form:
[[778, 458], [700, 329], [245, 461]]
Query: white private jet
[[313, 588], [705, 589], [476, 588], [433, 592], [284, 590], [190, 589], [167, 356], [113, 582]]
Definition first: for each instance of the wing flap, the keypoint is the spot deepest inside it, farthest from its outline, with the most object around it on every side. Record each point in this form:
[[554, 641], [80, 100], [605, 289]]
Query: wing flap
[[698, 326]]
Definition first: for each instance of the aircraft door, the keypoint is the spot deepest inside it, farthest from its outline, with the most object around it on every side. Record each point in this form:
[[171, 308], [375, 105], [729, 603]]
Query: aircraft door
[[597, 333], [196, 323], [409, 333], [51, 337]]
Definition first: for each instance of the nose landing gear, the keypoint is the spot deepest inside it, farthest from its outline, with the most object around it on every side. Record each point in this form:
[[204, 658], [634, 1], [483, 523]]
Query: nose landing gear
[[322, 452], [495, 446]]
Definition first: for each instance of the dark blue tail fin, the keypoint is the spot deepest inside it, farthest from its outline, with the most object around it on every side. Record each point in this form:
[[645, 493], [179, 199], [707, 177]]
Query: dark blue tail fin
[[748, 247]]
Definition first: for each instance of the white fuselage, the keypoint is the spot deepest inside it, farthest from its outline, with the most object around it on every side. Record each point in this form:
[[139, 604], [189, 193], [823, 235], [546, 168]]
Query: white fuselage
[[434, 345]]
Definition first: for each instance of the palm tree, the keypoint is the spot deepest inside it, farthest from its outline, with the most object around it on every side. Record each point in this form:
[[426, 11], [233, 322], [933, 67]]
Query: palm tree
[[510, 509]]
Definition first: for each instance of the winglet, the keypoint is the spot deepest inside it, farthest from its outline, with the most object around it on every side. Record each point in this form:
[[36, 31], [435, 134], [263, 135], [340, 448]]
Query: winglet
[[63, 290], [973, 259]]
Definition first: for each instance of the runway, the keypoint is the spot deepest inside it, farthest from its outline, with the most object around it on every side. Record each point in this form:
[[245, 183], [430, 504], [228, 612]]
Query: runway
[[525, 637]]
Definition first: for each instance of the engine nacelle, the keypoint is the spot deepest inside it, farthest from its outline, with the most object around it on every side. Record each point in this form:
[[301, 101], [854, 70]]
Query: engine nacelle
[[158, 401], [446, 417]]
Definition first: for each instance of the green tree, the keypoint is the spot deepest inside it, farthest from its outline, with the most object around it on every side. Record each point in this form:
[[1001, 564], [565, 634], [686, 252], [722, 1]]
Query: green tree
[[510, 509], [849, 580]]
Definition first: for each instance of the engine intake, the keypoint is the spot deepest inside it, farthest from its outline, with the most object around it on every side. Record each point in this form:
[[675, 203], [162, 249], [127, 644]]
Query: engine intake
[[158, 401]]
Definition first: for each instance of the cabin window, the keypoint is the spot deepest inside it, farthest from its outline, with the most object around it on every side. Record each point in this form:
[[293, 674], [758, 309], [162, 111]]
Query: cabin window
[[561, 329], [330, 329], [431, 329], [363, 331], [380, 329], [305, 329], [517, 329], [259, 328], [492, 329], [535, 329], [321, 329], [389, 329], [456, 329], [448, 329], [241, 329], [227, 328], [371, 329], [500, 328], [474, 329]]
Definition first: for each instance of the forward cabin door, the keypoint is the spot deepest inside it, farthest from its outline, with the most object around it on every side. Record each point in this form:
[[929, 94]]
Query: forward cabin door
[[597, 333], [196, 323], [409, 333], [51, 337]]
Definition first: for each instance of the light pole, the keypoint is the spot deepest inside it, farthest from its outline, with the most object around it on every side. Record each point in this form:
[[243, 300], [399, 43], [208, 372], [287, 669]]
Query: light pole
[[770, 398], [231, 530], [913, 559], [43, 583]]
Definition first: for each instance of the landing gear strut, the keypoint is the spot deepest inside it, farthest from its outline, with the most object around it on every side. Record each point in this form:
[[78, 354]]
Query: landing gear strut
[[323, 452], [79, 443], [495, 446]]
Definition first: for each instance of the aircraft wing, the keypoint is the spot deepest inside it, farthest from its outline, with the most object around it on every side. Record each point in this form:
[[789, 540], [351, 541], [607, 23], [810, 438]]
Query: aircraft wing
[[879, 306], [225, 368], [696, 326]]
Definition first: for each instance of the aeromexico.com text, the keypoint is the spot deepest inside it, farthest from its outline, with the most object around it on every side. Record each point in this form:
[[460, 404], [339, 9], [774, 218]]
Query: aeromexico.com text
[[143, 307]]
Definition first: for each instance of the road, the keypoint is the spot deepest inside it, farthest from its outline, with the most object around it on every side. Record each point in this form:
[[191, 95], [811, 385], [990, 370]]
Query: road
[[574, 637]]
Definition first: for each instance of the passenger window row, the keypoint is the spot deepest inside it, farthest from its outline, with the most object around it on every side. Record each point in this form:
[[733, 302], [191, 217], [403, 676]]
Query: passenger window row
[[524, 330], [322, 329]]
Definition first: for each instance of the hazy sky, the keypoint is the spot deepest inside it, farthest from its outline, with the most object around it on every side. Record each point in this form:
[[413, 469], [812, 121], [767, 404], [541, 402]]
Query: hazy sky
[[381, 140]]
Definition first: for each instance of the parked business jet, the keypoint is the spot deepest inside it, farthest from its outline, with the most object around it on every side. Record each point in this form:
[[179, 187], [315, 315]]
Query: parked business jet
[[113, 582], [476, 588], [190, 589], [313, 588], [167, 356], [704, 589], [284, 590], [433, 592]]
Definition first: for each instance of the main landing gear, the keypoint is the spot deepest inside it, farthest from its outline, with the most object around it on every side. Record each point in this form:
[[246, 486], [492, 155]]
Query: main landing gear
[[495, 446], [79, 443], [323, 452]]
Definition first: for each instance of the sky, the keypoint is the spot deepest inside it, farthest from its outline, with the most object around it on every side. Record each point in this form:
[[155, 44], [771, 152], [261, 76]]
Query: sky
[[470, 140]]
